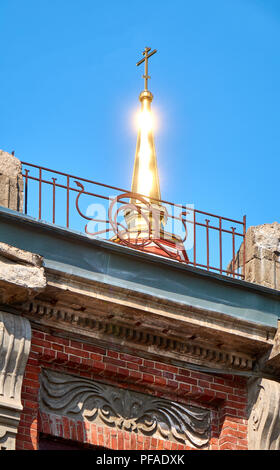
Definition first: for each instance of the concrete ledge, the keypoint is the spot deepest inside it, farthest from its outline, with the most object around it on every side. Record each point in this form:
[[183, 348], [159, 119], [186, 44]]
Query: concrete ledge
[[71, 252]]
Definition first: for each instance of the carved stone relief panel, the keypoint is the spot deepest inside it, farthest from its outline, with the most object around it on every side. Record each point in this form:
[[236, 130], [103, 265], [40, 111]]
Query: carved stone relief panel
[[264, 415], [85, 399]]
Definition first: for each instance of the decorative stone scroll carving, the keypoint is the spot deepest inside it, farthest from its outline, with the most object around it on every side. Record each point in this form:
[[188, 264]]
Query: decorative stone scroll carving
[[15, 336], [81, 398], [264, 415]]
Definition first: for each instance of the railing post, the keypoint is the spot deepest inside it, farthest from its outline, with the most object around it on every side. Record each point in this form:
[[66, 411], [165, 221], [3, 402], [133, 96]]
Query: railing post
[[67, 203], [54, 180], [40, 193], [194, 237], [207, 241], [233, 251], [26, 191], [220, 244], [244, 246]]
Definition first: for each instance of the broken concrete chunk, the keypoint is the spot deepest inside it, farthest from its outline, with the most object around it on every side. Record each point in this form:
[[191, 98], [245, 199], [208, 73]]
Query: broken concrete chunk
[[22, 275]]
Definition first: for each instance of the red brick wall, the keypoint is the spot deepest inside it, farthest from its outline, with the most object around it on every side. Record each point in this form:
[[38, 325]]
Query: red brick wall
[[225, 396]]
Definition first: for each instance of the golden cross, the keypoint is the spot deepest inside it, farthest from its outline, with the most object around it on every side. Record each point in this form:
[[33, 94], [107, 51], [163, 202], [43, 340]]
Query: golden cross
[[147, 56]]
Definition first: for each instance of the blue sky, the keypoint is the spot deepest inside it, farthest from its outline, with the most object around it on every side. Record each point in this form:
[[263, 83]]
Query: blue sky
[[69, 90]]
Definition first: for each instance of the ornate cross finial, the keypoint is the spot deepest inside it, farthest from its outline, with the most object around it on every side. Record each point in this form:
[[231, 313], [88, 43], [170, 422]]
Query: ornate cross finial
[[146, 57]]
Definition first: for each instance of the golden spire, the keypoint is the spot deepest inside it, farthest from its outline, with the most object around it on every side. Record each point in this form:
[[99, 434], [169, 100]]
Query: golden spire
[[145, 178], [145, 216]]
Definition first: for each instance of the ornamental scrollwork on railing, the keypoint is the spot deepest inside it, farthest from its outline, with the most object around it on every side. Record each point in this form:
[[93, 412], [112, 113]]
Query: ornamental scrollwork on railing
[[131, 411], [152, 216]]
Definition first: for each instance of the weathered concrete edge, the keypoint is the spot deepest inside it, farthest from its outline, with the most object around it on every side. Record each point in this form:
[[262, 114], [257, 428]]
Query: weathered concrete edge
[[150, 257], [263, 304]]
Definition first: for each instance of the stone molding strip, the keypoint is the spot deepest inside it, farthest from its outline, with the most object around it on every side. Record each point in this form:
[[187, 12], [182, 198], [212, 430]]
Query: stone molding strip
[[195, 316], [62, 318]]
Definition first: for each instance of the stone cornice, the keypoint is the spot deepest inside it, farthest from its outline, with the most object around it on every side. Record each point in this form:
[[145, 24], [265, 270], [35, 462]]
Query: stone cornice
[[130, 307], [96, 329], [123, 319]]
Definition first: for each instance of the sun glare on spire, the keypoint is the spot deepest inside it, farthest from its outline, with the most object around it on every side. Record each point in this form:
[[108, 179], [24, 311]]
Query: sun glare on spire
[[145, 176], [145, 179]]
